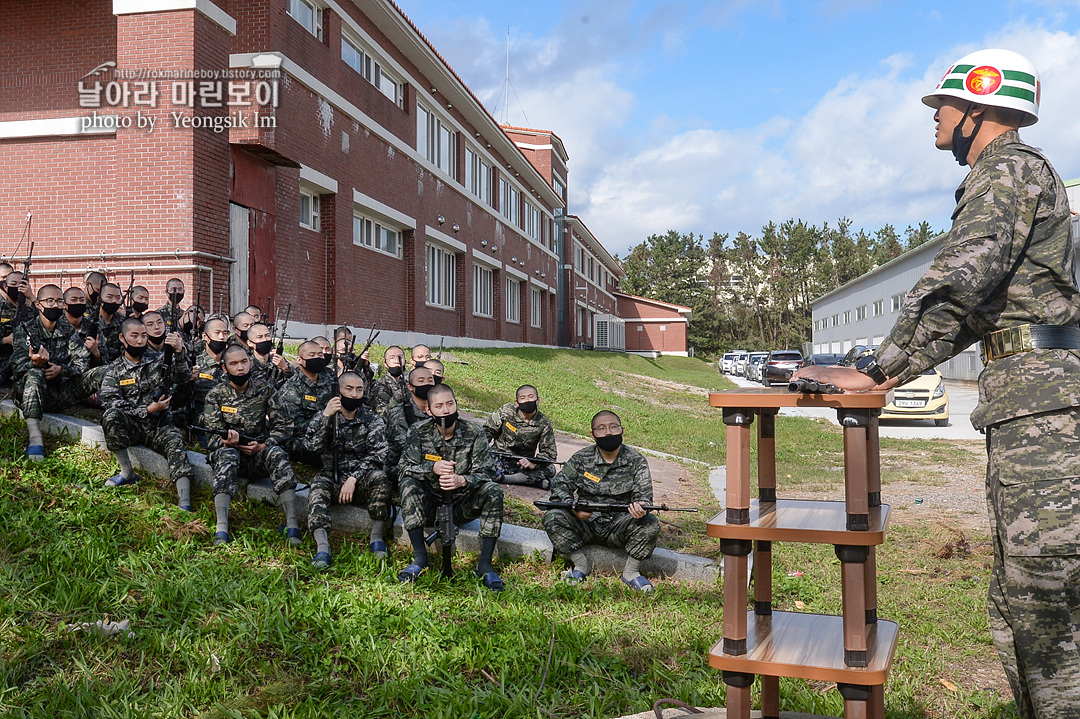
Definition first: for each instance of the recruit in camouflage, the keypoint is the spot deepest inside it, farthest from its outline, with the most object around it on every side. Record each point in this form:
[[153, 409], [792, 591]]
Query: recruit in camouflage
[[1008, 260], [587, 477], [420, 493], [33, 393], [510, 432], [298, 401], [385, 391]]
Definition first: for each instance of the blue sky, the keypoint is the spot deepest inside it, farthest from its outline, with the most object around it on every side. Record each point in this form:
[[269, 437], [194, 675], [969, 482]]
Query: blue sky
[[721, 115]]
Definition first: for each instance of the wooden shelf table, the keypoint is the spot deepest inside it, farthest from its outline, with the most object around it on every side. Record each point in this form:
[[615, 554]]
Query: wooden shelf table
[[854, 650]]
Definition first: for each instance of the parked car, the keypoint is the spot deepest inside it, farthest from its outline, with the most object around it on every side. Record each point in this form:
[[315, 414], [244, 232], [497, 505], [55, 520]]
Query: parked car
[[753, 365], [740, 363], [924, 397], [779, 366], [824, 360], [727, 363]]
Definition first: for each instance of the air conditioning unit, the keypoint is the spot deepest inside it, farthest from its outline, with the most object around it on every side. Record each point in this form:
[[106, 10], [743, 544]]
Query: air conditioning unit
[[609, 333]]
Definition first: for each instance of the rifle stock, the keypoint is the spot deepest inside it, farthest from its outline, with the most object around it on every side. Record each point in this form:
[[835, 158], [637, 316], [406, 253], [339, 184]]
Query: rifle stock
[[602, 507]]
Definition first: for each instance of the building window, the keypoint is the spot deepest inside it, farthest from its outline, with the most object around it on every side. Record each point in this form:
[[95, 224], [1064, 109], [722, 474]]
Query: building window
[[537, 308], [477, 176], [847, 317], [559, 186], [513, 300], [897, 300], [309, 210], [509, 197], [377, 236], [580, 321], [361, 60], [308, 14], [440, 277], [860, 313], [483, 291], [532, 221], [836, 320], [435, 140], [879, 308]]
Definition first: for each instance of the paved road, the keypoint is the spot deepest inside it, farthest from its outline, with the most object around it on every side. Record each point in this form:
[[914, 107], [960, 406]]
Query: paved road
[[962, 400]]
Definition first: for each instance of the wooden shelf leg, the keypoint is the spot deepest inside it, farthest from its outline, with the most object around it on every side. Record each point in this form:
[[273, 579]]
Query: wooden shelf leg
[[770, 697], [738, 694], [856, 467], [763, 578], [876, 708], [766, 456], [853, 586], [735, 580], [870, 582], [738, 423], [856, 700], [873, 462]]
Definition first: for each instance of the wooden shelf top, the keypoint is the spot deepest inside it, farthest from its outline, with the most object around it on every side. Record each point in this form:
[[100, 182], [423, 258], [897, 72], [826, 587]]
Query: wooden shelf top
[[808, 646], [801, 520], [775, 397]]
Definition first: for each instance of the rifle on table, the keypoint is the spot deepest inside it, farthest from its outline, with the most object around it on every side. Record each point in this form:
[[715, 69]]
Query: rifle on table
[[812, 386], [534, 460], [605, 507], [224, 434], [284, 326]]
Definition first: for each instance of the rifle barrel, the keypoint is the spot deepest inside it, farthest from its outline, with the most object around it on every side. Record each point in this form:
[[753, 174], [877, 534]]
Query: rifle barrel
[[602, 507]]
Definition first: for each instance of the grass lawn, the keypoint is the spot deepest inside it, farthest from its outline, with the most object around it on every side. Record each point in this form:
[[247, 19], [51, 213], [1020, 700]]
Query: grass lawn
[[251, 631]]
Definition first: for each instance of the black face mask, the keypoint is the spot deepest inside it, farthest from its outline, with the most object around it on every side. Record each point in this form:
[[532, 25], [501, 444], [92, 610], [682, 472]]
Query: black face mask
[[216, 346], [242, 334], [421, 363], [76, 310], [110, 307], [238, 379], [527, 407], [12, 292], [156, 339], [264, 347], [447, 421], [315, 365], [93, 296], [395, 371], [176, 297], [609, 442], [351, 404], [437, 378], [188, 326], [422, 391], [52, 314], [134, 351], [140, 306]]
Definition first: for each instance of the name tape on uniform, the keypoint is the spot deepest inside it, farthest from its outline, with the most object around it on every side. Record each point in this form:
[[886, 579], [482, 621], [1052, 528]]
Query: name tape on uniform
[[203, 375], [126, 382], [432, 457], [229, 410], [593, 477], [311, 398], [511, 427]]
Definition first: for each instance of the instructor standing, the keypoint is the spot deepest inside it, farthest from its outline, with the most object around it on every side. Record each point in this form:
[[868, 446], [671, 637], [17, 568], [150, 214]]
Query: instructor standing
[[1004, 275]]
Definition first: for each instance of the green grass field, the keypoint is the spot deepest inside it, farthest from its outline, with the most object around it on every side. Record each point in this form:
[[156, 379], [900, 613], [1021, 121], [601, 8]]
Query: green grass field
[[251, 631]]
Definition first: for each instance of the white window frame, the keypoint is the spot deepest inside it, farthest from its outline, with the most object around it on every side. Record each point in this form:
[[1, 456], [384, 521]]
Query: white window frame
[[357, 56], [477, 175], [559, 185], [313, 215], [436, 140], [294, 11], [860, 313], [371, 233], [536, 307], [532, 221], [440, 269], [513, 300], [879, 308], [897, 302], [483, 291], [509, 199]]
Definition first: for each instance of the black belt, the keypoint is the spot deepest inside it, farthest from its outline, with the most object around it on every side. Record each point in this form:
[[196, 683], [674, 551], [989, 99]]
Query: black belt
[[1021, 338]]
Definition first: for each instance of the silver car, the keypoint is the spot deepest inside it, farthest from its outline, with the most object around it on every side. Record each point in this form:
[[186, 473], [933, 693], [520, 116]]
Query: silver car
[[754, 364]]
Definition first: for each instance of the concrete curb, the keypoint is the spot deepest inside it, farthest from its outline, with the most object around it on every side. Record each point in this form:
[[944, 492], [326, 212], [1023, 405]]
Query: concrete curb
[[514, 542]]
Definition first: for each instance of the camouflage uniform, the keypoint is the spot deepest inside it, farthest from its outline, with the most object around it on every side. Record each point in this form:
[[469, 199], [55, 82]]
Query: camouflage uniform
[[399, 420], [172, 318], [250, 413], [385, 391], [588, 478], [420, 493], [1008, 260], [268, 372], [8, 310], [298, 401], [126, 390], [361, 450], [510, 432], [210, 376], [109, 338], [36, 395]]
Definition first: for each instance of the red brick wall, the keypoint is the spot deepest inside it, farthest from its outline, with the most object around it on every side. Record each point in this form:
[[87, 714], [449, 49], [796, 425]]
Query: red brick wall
[[646, 336]]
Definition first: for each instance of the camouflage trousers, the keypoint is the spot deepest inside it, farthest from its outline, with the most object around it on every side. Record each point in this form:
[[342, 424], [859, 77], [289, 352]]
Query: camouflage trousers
[[231, 465], [614, 529], [372, 489], [35, 396], [299, 453], [483, 500], [123, 431], [1033, 496], [504, 467]]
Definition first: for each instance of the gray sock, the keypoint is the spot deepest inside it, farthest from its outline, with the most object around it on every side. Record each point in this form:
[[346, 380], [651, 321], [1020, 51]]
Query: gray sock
[[378, 526], [630, 571], [516, 478], [288, 503], [183, 491], [221, 508], [33, 427], [322, 542], [124, 461], [580, 561]]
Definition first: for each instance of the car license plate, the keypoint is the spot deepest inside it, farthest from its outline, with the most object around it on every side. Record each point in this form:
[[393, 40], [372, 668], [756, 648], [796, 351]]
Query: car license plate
[[910, 403]]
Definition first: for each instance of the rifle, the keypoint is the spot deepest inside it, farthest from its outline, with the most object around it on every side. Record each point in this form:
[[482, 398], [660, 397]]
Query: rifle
[[224, 434], [534, 460], [284, 327], [20, 303], [603, 507], [445, 529], [127, 295], [812, 386], [171, 324]]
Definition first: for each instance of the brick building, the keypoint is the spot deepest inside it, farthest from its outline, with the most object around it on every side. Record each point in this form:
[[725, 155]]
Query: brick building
[[318, 153], [654, 326]]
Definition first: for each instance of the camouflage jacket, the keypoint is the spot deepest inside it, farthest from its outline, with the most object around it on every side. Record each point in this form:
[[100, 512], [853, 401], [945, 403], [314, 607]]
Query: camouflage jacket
[[591, 479], [510, 432], [129, 387], [8, 310], [210, 376], [425, 446], [172, 319], [300, 399], [397, 427], [109, 338], [250, 412], [268, 372], [1007, 260], [385, 391], [65, 350], [360, 441]]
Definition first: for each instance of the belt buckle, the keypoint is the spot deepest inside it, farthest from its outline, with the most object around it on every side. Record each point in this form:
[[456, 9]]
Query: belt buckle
[[1009, 341]]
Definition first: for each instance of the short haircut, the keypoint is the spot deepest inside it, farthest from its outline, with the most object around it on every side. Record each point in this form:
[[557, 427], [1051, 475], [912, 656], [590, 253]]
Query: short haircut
[[237, 316], [393, 347], [94, 276], [41, 291], [211, 321], [320, 337], [151, 313], [73, 289], [253, 307], [139, 288], [309, 344], [351, 375], [258, 324], [6, 267], [110, 284], [129, 323], [232, 349], [524, 387], [604, 413], [416, 347], [439, 390], [414, 371], [342, 331], [434, 361]]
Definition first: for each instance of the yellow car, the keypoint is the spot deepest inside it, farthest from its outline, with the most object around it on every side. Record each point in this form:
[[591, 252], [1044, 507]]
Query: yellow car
[[921, 398]]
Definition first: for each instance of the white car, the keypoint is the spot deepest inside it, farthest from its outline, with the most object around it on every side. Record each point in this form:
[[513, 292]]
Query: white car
[[727, 363]]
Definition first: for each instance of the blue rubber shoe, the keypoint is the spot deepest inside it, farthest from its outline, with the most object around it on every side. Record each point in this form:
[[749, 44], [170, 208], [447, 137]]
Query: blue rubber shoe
[[411, 573], [639, 583], [35, 452], [294, 537], [222, 538], [574, 576], [379, 549], [492, 581], [321, 561], [120, 480]]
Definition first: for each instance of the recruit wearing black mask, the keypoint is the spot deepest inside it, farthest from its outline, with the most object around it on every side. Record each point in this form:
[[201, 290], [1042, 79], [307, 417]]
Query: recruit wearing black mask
[[527, 407], [395, 371], [447, 421], [238, 379], [176, 297], [156, 339], [351, 404], [437, 378], [12, 291], [421, 363], [422, 391], [216, 346], [110, 308], [93, 297], [609, 442], [263, 348], [188, 326], [134, 351], [242, 334], [52, 314], [315, 365], [76, 310], [140, 306]]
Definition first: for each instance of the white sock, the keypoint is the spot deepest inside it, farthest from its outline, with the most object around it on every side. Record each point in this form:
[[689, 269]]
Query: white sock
[[288, 503], [581, 562], [322, 542], [33, 427], [221, 508], [183, 491], [124, 461], [630, 571]]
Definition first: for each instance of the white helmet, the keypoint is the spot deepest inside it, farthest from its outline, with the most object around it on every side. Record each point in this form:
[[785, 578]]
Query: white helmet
[[1000, 78]]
